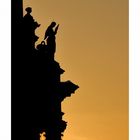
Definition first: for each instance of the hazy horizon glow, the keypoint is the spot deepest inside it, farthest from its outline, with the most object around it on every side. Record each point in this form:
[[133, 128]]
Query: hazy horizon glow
[[92, 48]]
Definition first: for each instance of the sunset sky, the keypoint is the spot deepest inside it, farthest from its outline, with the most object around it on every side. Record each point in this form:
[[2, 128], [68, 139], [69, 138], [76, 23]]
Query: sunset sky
[[92, 48]]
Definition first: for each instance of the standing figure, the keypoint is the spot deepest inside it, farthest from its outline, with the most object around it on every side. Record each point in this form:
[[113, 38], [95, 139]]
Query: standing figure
[[28, 17], [28, 22], [29, 26], [50, 38]]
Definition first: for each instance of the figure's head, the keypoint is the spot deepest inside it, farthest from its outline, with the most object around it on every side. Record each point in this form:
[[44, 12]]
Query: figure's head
[[53, 24], [28, 10]]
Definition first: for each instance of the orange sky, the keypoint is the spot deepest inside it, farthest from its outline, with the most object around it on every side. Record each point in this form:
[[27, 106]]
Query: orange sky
[[92, 47]]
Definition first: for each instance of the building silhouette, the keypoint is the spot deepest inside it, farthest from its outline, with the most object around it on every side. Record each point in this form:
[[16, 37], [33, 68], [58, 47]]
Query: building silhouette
[[37, 89]]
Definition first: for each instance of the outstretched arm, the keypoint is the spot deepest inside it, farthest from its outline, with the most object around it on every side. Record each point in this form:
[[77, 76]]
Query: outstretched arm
[[56, 29], [46, 34]]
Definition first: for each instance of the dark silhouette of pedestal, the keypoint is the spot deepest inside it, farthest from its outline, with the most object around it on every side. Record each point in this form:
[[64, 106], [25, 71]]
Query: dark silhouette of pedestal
[[37, 90]]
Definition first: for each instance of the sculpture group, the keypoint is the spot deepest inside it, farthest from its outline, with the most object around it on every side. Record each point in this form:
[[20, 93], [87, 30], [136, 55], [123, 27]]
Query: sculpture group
[[48, 45], [38, 90]]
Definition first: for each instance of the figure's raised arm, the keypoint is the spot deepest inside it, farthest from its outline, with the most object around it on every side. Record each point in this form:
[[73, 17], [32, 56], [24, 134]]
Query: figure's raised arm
[[46, 34], [56, 29]]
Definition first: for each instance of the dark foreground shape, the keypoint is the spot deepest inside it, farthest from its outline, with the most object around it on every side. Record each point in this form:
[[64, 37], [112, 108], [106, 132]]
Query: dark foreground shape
[[37, 90]]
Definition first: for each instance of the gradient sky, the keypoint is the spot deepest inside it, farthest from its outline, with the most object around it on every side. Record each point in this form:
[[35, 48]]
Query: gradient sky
[[92, 48]]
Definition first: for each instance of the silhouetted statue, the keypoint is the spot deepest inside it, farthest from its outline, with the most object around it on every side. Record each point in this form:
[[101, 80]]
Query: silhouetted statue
[[37, 90], [29, 26], [50, 38], [28, 17]]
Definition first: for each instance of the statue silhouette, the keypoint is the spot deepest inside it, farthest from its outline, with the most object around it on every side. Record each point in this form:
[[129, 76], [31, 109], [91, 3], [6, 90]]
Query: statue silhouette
[[50, 38], [29, 26], [37, 90], [28, 16]]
